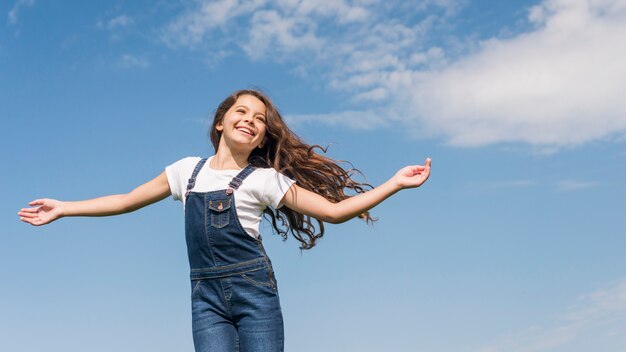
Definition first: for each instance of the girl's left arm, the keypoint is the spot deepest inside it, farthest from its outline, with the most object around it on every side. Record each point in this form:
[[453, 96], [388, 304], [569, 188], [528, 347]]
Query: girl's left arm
[[314, 205]]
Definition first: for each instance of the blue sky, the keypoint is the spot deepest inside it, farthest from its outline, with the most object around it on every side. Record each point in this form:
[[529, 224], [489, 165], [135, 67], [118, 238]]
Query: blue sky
[[515, 243]]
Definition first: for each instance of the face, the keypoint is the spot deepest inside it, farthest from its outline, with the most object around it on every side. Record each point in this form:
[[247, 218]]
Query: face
[[244, 124]]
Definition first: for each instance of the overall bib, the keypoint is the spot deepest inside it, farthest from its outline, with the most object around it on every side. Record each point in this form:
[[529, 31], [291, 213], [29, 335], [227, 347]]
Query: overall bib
[[234, 297]]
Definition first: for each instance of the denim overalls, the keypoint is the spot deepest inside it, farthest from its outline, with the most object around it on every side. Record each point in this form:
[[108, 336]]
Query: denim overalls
[[234, 298]]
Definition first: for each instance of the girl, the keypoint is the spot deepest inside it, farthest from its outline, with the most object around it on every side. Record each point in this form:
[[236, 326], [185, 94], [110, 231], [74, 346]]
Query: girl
[[259, 167]]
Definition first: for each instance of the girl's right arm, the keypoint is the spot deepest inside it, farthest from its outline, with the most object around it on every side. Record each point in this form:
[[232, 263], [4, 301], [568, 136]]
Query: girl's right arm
[[46, 210]]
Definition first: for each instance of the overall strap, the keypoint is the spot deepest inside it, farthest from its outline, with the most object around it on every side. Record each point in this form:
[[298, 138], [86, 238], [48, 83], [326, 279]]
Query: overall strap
[[237, 180], [192, 181]]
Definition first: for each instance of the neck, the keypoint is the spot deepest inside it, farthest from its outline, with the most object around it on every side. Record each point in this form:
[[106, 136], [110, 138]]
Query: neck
[[227, 159]]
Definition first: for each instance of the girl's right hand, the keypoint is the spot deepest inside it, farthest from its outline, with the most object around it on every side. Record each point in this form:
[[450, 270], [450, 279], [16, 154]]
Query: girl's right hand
[[44, 212]]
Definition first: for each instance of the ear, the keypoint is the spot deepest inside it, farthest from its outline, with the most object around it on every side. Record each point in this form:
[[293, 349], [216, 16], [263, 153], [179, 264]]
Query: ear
[[219, 126]]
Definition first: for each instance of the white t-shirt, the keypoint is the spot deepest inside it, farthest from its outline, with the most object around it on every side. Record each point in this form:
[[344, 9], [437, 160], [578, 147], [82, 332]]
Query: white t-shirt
[[262, 188]]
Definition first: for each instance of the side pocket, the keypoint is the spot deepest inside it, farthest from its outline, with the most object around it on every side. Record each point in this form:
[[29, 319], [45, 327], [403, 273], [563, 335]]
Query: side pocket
[[258, 278]]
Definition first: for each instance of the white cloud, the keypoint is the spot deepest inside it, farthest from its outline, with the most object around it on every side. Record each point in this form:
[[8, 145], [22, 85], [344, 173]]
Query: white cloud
[[12, 15], [558, 84], [595, 323]]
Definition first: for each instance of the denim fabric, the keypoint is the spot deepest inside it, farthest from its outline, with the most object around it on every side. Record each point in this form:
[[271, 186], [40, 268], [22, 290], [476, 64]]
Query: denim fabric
[[234, 296]]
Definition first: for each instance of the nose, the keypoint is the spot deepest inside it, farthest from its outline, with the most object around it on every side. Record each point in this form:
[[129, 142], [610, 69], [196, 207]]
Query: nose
[[248, 119]]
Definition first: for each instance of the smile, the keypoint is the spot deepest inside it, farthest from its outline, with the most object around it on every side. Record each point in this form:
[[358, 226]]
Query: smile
[[245, 130]]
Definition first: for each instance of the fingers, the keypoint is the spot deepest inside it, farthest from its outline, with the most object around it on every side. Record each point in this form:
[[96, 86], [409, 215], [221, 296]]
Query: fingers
[[31, 215], [36, 202], [43, 211], [27, 215], [417, 169], [30, 218], [426, 169], [32, 221], [424, 174], [29, 212]]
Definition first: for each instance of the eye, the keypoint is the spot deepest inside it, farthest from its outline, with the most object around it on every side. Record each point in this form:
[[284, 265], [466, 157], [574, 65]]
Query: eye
[[261, 118], [241, 111]]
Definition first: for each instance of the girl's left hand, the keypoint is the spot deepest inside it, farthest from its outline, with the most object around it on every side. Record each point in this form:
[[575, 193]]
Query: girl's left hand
[[412, 176]]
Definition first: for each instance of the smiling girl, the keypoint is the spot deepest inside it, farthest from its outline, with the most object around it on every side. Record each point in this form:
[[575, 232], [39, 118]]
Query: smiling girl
[[260, 167]]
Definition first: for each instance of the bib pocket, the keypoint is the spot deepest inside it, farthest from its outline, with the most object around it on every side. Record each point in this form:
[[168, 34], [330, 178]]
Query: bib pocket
[[219, 212]]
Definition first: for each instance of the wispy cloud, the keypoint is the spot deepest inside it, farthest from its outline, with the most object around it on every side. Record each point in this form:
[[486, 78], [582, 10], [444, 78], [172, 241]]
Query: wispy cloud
[[499, 186], [120, 21], [195, 24], [128, 61], [12, 16], [574, 185], [595, 323], [362, 120], [325, 32], [513, 184], [557, 84], [117, 27]]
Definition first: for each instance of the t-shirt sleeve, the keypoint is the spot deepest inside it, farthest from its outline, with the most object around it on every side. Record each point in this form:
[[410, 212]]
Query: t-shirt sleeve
[[178, 174], [276, 186]]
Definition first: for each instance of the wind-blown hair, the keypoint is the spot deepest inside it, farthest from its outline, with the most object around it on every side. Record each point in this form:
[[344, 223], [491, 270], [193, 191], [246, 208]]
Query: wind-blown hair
[[284, 151]]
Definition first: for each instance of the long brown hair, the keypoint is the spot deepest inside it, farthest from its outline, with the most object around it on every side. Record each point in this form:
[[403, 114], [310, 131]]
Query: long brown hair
[[284, 151]]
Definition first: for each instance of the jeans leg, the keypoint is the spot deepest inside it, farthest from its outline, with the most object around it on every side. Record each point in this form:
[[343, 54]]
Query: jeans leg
[[213, 330], [257, 313], [261, 336], [217, 338]]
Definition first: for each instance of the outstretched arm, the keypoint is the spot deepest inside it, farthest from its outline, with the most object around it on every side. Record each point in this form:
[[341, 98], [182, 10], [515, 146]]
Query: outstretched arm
[[312, 204], [47, 210]]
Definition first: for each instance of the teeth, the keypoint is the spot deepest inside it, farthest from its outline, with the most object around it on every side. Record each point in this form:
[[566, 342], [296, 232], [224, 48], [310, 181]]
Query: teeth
[[245, 130]]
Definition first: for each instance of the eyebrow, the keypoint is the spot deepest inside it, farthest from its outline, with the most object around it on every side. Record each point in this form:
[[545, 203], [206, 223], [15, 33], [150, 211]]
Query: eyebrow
[[245, 107]]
